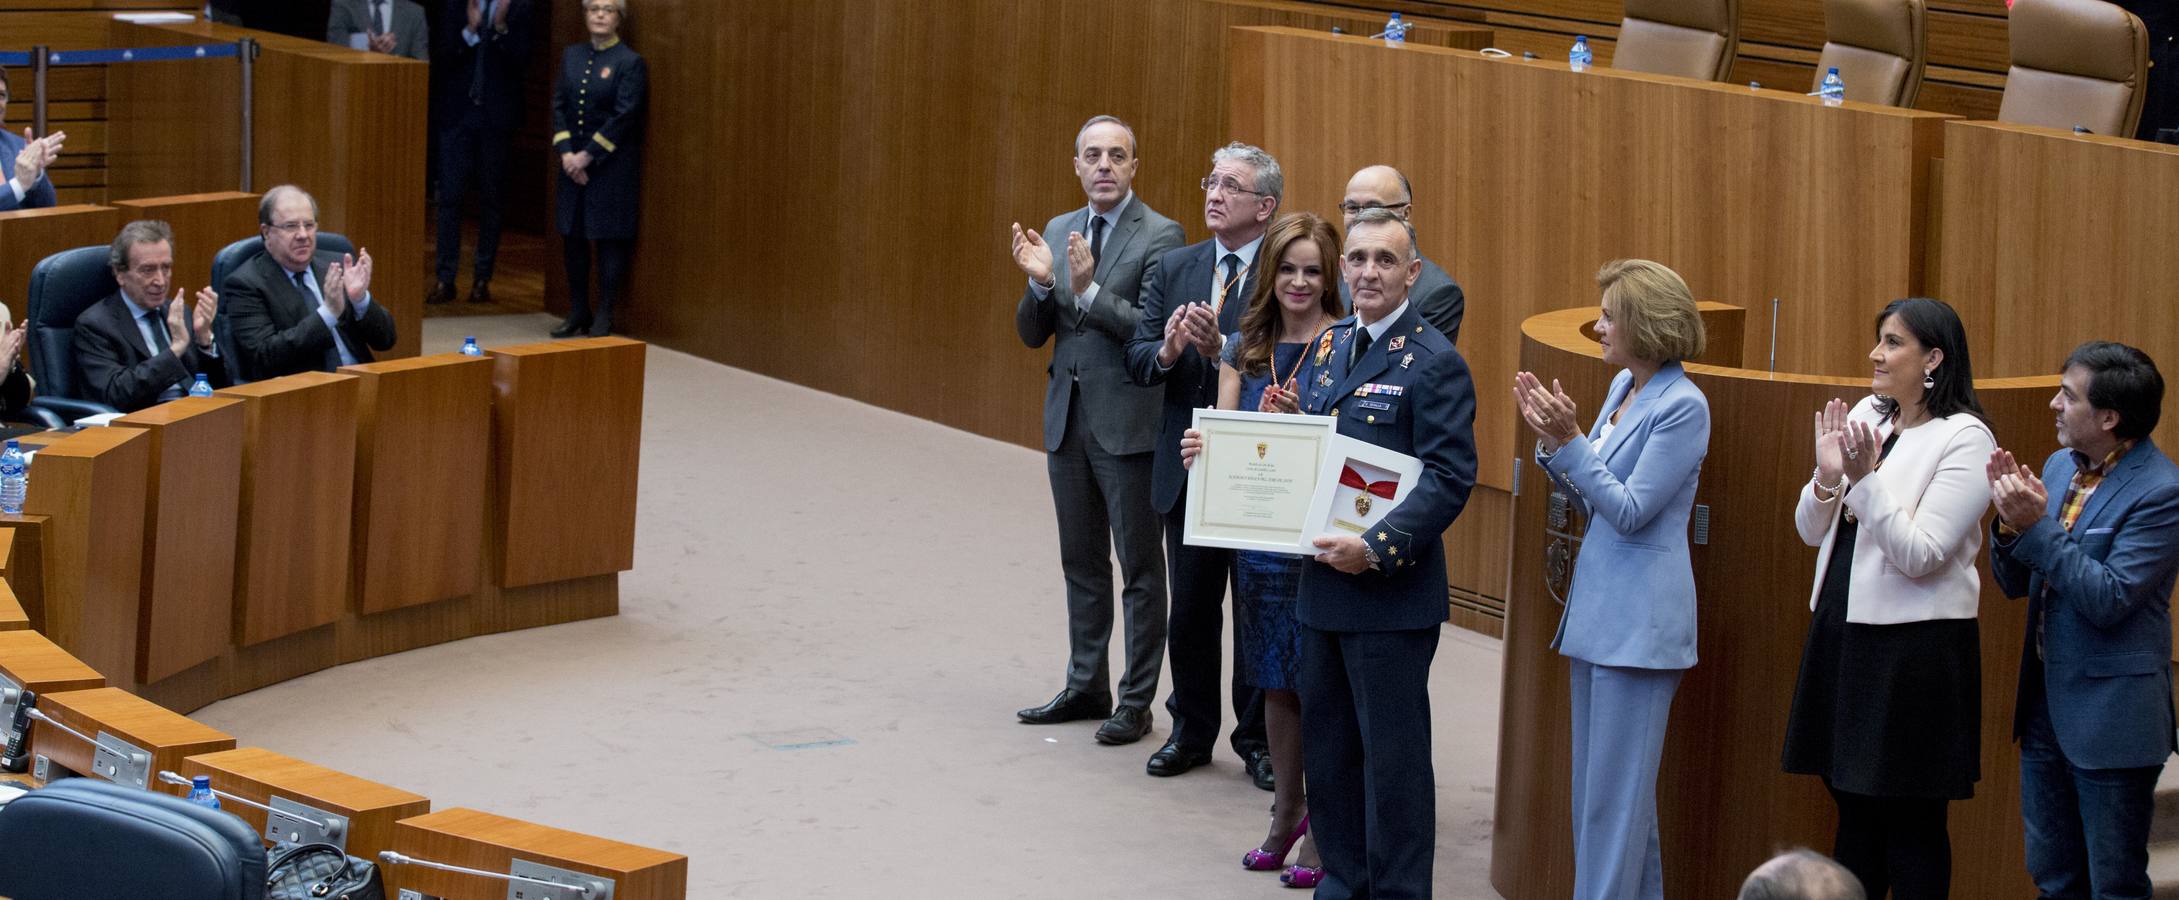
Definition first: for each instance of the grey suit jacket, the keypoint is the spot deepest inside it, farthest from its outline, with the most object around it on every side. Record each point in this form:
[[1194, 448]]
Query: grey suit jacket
[[412, 36], [1435, 294], [1122, 416]]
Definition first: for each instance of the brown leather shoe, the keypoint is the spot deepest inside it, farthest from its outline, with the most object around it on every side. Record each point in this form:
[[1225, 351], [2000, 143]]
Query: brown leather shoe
[[442, 293]]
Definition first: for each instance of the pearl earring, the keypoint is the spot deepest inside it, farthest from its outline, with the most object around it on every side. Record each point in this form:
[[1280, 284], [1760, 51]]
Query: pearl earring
[[1929, 379]]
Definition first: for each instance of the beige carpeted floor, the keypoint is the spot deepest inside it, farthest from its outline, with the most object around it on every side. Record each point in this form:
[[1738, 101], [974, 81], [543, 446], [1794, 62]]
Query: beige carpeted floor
[[810, 689]]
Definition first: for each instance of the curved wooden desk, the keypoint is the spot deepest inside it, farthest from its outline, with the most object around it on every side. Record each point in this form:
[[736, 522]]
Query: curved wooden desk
[[1723, 803], [207, 547]]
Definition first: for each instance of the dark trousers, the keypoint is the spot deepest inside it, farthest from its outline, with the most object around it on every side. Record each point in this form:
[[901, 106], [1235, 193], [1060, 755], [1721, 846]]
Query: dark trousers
[[1103, 502], [2087, 829], [471, 155], [613, 259], [1199, 576], [1896, 844], [1365, 714]]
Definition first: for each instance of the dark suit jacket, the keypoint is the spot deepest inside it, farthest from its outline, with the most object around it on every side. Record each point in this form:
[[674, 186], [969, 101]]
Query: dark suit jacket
[[1089, 358], [504, 57], [1183, 276], [1435, 294], [2103, 594], [35, 196], [118, 371], [278, 330], [412, 36], [1430, 417]]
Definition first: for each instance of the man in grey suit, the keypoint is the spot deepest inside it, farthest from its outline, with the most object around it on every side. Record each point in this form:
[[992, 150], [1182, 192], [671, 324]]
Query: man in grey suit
[[386, 26], [1100, 428], [1435, 294]]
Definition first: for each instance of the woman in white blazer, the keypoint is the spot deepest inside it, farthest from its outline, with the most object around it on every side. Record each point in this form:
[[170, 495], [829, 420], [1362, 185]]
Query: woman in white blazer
[[1888, 707], [1628, 630]]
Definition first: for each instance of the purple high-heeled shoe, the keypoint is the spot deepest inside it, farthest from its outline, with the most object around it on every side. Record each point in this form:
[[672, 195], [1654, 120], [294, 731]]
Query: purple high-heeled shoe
[[1256, 860], [1299, 876]]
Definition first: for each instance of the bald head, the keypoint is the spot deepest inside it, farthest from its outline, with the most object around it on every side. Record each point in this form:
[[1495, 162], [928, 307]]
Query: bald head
[[1376, 186], [1801, 874]]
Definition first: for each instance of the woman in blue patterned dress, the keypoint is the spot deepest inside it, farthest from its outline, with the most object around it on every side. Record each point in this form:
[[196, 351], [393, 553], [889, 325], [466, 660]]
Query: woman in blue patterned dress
[[1296, 297]]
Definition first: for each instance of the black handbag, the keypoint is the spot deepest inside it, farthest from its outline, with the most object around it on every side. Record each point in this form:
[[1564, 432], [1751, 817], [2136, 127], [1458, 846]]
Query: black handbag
[[321, 872]]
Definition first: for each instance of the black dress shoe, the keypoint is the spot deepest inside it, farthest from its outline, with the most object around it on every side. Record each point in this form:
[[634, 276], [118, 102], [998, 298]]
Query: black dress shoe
[[481, 292], [1259, 769], [1127, 725], [602, 326], [440, 293], [570, 328], [1172, 760], [1070, 705]]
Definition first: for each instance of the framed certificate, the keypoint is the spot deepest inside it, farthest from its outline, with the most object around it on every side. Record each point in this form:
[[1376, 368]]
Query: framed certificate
[[1358, 484], [1251, 487]]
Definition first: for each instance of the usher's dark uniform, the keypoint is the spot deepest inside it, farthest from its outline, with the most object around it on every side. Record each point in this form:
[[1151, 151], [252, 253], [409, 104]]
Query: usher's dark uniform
[[597, 108]]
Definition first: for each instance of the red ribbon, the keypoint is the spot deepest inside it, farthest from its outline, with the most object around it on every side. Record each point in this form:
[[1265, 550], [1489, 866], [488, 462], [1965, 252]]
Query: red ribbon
[[1348, 477]]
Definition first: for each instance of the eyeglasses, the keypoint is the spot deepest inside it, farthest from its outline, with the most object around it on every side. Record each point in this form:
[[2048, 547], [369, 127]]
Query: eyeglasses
[[1214, 185], [1356, 209], [293, 227]]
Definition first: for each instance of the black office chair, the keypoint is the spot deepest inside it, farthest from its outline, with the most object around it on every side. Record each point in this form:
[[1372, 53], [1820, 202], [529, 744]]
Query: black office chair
[[230, 258], [84, 839], [62, 286]]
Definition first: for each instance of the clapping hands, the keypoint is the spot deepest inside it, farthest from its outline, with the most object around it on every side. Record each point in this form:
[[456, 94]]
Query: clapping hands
[[37, 154], [1550, 413], [1844, 447], [2019, 495]]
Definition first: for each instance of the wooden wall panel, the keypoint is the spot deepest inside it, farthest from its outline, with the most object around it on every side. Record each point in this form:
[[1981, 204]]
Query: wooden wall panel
[[1749, 195], [2051, 238], [298, 484], [92, 485], [190, 504], [416, 527], [30, 235], [915, 137], [554, 403]]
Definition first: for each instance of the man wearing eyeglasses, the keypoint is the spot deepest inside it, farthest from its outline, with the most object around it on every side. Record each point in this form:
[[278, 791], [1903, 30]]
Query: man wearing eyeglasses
[[1435, 294], [26, 161], [1099, 427], [295, 309], [1196, 298]]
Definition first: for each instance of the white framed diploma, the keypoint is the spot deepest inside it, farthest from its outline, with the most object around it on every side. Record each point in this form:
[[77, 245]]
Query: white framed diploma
[[1251, 487], [1358, 484]]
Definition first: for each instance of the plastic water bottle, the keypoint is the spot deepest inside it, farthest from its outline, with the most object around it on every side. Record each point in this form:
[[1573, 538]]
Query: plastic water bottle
[[1579, 58], [200, 792], [470, 348], [202, 387], [1834, 89], [14, 478], [1395, 31]]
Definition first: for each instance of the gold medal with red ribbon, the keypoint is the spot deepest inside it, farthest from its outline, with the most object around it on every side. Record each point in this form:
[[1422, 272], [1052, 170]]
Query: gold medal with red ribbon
[[1348, 477]]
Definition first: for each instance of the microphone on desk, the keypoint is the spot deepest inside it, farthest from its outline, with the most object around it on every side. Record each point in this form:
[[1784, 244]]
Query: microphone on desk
[[14, 759]]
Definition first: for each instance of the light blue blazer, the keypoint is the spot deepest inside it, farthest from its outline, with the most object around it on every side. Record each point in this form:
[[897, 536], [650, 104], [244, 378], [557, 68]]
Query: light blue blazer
[[1632, 603]]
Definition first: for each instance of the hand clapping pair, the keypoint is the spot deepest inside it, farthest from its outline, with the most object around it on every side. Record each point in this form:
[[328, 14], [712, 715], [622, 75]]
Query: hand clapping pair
[[346, 282], [37, 154], [1551, 414], [179, 319], [1035, 259], [1844, 448]]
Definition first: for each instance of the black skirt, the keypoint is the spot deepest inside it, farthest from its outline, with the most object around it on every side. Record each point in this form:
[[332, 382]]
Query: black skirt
[[1886, 710]]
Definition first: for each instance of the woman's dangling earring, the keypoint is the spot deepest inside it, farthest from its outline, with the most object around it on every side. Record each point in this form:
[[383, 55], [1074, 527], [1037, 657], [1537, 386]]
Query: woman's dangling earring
[[1929, 379]]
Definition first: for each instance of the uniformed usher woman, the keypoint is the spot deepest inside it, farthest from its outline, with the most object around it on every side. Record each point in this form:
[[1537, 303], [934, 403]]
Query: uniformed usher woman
[[597, 120]]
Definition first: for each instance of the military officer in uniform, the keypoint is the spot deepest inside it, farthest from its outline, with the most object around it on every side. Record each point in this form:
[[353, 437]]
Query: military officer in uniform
[[1371, 605], [597, 122]]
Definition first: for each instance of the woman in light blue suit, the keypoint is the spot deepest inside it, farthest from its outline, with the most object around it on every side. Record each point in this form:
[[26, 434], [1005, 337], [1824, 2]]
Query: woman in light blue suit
[[1628, 630]]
